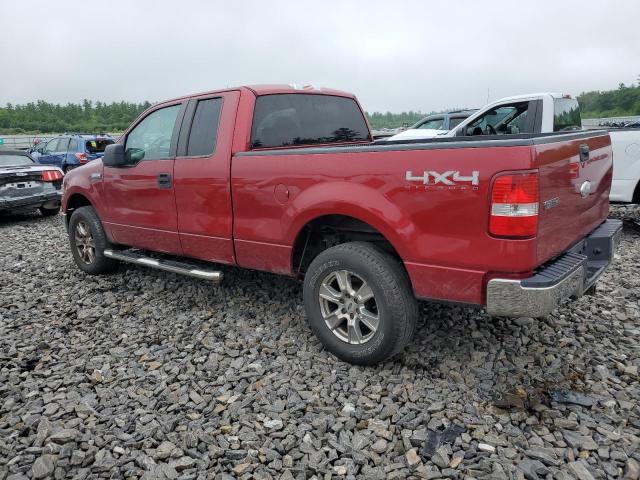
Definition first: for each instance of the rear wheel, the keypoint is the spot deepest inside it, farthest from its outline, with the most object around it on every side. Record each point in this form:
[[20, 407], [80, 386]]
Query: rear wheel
[[49, 212], [88, 242], [359, 303]]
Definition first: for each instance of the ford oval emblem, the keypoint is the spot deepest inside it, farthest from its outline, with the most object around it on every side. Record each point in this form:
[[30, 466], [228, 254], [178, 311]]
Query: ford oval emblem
[[585, 189]]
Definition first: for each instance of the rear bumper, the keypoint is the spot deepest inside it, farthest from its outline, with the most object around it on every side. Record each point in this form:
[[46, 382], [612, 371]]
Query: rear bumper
[[568, 276], [34, 201]]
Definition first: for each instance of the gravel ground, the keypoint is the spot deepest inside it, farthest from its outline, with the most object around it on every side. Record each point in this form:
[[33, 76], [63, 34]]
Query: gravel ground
[[152, 375]]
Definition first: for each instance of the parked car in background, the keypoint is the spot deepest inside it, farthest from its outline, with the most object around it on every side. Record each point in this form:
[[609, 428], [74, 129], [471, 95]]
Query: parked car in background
[[72, 150], [25, 185], [433, 125], [625, 187], [289, 181], [531, 113]]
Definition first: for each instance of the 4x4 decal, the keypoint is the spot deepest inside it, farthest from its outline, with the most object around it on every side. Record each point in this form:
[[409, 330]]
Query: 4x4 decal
[[450, 178]]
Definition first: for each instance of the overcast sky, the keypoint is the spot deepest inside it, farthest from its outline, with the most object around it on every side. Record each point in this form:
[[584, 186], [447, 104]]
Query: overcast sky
[[394, 55]]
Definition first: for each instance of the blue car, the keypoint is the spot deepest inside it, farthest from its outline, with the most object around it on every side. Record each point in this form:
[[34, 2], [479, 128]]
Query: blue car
[[71, 150]]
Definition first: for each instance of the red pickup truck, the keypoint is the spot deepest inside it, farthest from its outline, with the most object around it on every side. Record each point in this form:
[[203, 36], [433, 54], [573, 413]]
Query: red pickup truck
[[289, 181]]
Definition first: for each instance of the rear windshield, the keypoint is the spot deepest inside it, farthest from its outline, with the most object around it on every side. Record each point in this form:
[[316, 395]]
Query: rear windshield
[[14, 160], [566, 115], [305, 119], [97, 146]]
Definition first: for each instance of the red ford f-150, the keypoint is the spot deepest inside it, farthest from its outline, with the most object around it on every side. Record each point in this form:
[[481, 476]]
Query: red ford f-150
[[289, 181]]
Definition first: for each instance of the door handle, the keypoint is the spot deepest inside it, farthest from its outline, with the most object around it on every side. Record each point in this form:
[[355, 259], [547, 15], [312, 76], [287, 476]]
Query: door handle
[[164, 180]]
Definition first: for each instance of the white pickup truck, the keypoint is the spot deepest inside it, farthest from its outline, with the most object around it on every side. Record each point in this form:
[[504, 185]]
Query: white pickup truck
[[553, 112], [625, 187]]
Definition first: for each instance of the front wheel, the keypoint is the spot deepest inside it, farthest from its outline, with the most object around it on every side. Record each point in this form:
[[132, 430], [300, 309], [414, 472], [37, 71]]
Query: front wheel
[[88, 242], [360, 303]]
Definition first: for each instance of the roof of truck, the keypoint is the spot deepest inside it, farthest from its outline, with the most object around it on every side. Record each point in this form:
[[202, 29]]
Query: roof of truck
[[532, 95], [293, 88], [268, 90]]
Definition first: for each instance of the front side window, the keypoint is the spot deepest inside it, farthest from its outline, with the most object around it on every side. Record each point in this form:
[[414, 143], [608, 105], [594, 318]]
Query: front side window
[[204, 128], [51, 146], [566, 115], [506, 119], [151, 138], [305, 119], [432, 124], [63, 144]]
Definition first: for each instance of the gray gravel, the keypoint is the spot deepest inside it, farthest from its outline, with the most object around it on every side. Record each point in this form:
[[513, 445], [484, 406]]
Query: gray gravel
[[143, 374]]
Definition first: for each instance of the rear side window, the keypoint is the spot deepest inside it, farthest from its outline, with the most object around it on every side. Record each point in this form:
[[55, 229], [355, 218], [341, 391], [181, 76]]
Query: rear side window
[[306, 119], [204, 128], [97, 146], [73, 145], [566, 115]]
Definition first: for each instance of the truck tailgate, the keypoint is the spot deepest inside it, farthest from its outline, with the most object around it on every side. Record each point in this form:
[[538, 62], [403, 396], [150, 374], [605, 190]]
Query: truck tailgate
[[575, 179]]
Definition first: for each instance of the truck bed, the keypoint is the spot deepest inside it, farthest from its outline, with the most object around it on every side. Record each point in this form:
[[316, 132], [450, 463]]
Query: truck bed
[[436, 229]]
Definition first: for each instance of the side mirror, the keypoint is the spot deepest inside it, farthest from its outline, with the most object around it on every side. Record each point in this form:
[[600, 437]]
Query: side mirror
[[114, 156]]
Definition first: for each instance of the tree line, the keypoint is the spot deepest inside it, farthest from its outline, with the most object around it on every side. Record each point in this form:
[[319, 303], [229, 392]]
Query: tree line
[[99, 117], [625, 101], [90, 117]]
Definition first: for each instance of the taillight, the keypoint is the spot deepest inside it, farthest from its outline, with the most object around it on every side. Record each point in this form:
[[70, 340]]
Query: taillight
[[514, 205], [82, 157], [51, 175]]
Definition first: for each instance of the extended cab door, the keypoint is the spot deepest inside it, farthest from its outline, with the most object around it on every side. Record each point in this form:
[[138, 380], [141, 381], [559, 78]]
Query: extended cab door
[[202, 177], [141, 208]]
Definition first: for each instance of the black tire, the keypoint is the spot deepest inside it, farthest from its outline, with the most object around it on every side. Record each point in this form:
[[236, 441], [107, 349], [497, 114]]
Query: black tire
[[49, 212], [97, 263], [395, 303]]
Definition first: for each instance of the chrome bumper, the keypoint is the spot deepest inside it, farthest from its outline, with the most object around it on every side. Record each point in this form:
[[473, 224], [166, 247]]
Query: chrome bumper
[[566, 277]]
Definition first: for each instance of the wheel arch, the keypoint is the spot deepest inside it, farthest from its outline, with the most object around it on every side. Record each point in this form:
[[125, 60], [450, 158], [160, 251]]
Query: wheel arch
[[359, 207], [75, 200], [327, 230], [636, 194]]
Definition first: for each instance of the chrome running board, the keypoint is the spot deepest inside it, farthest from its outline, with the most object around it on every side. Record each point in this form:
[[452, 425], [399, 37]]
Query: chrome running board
[[172, 266]]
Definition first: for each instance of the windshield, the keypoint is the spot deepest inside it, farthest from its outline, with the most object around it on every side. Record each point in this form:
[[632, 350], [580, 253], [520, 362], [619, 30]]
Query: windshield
[[432, 124], [14, 160]]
